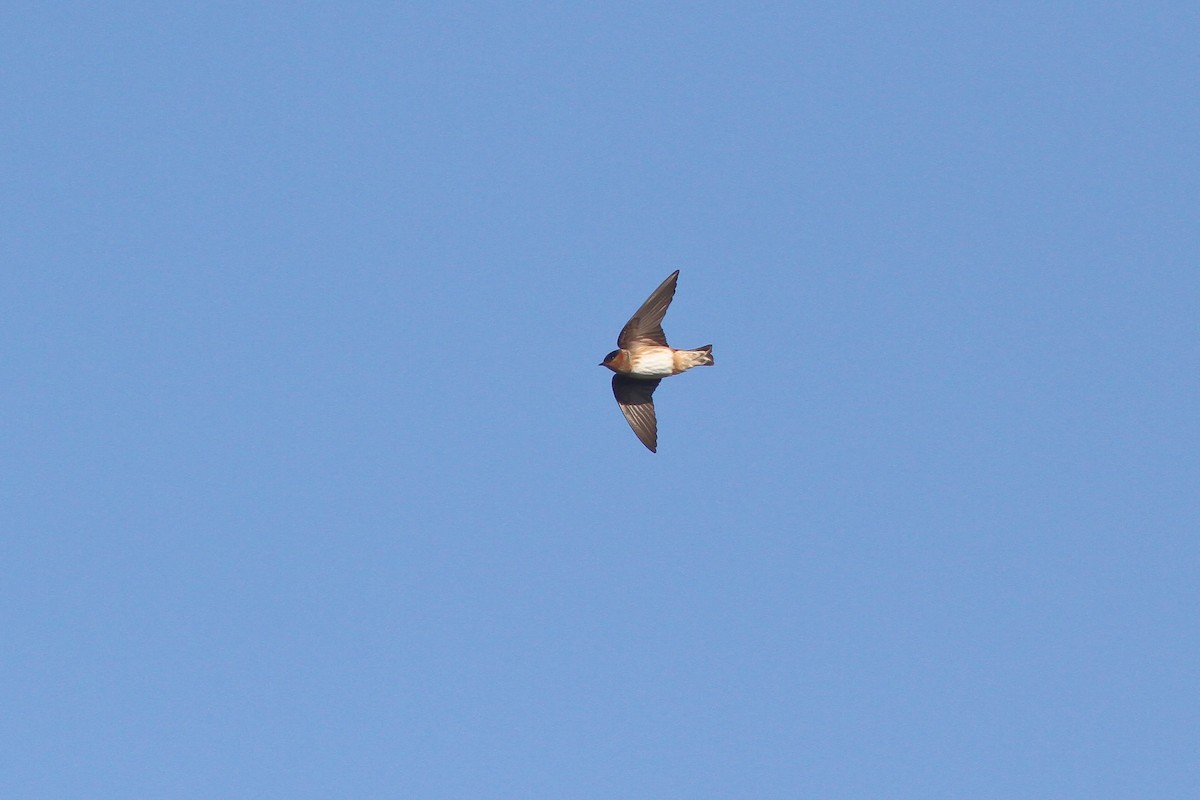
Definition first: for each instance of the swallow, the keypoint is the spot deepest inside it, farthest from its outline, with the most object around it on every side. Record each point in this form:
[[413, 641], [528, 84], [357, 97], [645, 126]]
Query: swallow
[[643, 358]]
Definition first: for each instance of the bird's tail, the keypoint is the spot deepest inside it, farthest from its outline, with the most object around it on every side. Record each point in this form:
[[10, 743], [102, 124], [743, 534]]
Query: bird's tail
[[700, 357]]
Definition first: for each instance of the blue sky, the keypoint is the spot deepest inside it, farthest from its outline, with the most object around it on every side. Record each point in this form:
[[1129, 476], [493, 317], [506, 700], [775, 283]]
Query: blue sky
[[312, 486]]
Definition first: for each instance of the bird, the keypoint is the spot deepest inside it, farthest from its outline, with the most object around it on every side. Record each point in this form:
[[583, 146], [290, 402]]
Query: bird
[[643, 358]]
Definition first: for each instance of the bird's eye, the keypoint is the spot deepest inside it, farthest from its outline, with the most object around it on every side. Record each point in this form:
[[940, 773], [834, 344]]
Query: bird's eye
[[611, 355]]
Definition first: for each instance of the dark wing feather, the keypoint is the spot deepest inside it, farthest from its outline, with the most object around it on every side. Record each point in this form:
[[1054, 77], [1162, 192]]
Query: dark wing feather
[[646, 323], [635, 397]]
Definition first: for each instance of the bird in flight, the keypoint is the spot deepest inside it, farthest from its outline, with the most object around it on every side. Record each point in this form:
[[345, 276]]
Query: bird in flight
[[643, 358]]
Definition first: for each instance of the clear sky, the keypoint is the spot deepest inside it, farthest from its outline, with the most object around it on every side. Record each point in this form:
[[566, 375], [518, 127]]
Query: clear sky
[[312, 486]]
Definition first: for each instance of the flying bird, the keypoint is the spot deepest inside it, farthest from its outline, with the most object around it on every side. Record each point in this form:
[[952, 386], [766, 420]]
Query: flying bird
[[643, 358]]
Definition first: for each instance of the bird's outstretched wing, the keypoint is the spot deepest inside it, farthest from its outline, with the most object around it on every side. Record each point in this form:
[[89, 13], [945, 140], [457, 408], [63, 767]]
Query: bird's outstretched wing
[[646, 323], [635, 397]]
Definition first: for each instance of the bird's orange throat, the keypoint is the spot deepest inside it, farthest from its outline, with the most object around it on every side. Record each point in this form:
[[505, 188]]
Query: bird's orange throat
[[619, 362]]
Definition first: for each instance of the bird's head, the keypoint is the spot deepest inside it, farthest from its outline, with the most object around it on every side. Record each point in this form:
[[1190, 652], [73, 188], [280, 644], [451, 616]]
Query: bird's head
[[616, 361]]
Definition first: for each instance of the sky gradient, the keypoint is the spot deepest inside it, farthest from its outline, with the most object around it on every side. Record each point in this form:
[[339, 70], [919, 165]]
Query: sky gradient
[[312, 486]]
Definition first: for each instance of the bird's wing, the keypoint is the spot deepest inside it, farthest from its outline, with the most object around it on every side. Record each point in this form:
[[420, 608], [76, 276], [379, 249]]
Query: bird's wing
[[635, 397], [646, 323]]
